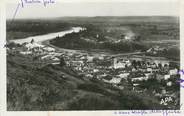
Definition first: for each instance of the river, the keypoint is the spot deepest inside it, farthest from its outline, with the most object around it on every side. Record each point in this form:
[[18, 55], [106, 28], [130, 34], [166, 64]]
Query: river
[[40, 38], [44, 40]]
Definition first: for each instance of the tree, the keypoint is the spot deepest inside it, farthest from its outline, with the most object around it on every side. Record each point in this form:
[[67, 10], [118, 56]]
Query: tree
[[32, 41], [139, 63], [62, 62], [160, 65], [134, 63]]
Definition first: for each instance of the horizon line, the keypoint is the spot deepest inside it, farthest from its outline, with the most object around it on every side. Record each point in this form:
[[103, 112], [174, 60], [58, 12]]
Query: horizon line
[[174, 16]]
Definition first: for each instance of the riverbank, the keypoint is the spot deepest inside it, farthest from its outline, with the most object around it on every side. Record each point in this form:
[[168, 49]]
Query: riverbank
[[49, 36]]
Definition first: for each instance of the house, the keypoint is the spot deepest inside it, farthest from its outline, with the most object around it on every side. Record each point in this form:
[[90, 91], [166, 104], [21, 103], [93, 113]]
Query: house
[[162, 62], [147, 75], [121, 87], [128, 62], [169, 83], [56, 59], [149, 70], [166, 77], [134, 69], [83, 58], [123, 75], [90, 58], [89, 75], [115, 80], [142, 69], [95, 70], [155, 70], [33, 45], [26, 52], [173, 71], [101, 58], [137, 89], [117, 64], [49, 49], [159, 77], [137, 79], [153, 65], [135, 84], [54, 63], [100, 76], [46, 56], [163, 91]]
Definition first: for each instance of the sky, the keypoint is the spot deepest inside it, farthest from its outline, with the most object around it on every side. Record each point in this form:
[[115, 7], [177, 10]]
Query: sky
[[59, 9]]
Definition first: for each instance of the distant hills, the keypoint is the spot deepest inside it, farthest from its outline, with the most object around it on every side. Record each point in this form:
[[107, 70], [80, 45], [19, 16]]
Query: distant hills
[[125, 19], [120, 19]]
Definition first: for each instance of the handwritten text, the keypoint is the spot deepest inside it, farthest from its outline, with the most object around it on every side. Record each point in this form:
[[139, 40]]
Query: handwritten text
[[31, 2], [147, 112], [44, 2]]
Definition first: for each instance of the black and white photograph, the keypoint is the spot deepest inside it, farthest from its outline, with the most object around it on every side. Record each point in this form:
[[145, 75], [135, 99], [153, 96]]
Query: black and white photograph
[[89, 56]]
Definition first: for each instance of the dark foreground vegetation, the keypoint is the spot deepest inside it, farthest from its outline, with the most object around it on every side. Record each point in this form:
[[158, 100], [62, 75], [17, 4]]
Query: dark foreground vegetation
[[33, 85]]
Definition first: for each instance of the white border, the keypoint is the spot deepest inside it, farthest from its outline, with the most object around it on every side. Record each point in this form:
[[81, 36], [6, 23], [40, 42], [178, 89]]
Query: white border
[[71, 113]]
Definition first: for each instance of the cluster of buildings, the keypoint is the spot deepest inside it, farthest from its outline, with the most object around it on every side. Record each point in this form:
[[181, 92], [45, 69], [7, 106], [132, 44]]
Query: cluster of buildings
[[121, 71], [126, 72], [42, 52], [155, 50]]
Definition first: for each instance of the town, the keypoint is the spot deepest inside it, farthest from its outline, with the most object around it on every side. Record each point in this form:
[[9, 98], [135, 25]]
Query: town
[[134, 72]]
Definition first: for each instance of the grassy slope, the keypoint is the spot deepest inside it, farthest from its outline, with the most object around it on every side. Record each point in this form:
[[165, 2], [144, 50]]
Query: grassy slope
[[32, 88]]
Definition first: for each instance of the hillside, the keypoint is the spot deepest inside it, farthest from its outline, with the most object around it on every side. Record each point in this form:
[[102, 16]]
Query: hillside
[[33, 85], [122, 19]]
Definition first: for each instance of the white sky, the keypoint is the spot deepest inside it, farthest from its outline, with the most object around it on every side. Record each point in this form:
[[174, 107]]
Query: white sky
[[59, 9]]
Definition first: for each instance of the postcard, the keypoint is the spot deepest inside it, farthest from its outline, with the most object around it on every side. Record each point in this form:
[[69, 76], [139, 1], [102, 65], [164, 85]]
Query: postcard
[[104, 58]]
